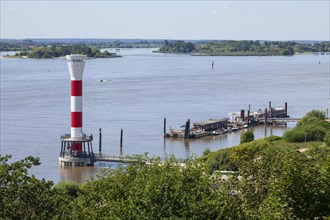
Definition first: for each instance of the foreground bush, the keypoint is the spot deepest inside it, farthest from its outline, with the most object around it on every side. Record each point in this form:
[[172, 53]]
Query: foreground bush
[[312, 127], [247, 136], [294, 135], [284, 186], [68, 188], [157, 191], [26, 197], [271, 184], [327, 139]]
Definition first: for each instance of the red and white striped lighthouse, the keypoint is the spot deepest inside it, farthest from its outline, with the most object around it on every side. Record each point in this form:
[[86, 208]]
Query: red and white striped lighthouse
[[76, 148], [76, 65]]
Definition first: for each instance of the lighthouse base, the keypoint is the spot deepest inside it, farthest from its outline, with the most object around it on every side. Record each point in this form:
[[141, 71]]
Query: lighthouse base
[[68, 161], [76, 151]]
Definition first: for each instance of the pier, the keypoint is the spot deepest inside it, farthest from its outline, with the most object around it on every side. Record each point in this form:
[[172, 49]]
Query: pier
[[236, 121], [279, 120], [72, 161], [116, 159], [130, 159]]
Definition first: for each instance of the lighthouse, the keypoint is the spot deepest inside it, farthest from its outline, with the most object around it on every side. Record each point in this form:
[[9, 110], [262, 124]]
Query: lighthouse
[[76, 147]]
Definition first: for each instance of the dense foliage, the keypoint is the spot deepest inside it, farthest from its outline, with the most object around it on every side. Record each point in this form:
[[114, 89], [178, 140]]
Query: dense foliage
[[327, 139], [274, 179], [53, 51], [247, 136], [177, 47], [284, 186], [268, 184], [158, 191], [243, 48], [26, 197], [264, 179], [312, 127]]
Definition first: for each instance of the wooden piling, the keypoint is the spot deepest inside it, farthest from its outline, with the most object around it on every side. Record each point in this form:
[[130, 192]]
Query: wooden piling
[[100, 140], [187, 130], [286, 109], [248, 118], [242, 114], [121, 142], [270, 109], [266, 116], [164, 127]]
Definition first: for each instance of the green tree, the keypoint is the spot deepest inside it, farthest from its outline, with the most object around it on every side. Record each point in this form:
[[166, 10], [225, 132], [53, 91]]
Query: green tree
[[317, 114], [206, 151], [284, 186], [294, 135], [68, 188], [89, 52], [157, 191], [327, 139], [26, 197], [247, 136], [312, 126]]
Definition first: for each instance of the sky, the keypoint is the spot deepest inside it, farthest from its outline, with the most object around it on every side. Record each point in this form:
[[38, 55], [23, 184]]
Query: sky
[[185, 20]]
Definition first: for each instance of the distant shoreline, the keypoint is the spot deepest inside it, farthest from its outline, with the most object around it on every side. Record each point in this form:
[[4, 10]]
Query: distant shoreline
[[191, 54], [60, 52]]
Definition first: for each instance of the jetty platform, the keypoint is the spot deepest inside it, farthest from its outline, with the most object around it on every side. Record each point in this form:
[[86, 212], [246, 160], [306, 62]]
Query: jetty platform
[[236, 121]]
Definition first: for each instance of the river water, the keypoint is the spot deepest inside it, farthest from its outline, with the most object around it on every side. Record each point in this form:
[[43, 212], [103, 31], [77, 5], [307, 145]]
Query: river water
[[138, 91]]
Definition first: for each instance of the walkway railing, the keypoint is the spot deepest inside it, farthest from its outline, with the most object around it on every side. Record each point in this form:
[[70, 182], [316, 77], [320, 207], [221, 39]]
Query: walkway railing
[[279, 119], [131, 159]]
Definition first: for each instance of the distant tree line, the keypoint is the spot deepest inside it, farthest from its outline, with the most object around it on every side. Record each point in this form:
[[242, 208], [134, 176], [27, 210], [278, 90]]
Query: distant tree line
[[15, 45], [19, 45], [243, 48], [58, 51], [123, 44], [196, 47], [177, 47]]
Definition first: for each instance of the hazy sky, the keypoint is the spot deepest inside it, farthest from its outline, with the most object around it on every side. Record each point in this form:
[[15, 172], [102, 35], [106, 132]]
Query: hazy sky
[[237, 20]]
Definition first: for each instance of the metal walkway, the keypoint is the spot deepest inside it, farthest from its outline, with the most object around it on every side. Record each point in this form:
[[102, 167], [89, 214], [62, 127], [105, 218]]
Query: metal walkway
[[129, 159], [279, 119]]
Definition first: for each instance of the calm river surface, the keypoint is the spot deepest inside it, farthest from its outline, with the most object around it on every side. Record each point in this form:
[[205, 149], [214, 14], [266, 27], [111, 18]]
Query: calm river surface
[[141, 89]]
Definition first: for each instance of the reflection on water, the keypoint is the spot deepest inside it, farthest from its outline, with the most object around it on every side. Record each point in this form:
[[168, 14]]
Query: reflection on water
[[83, 174], [77, 174]]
